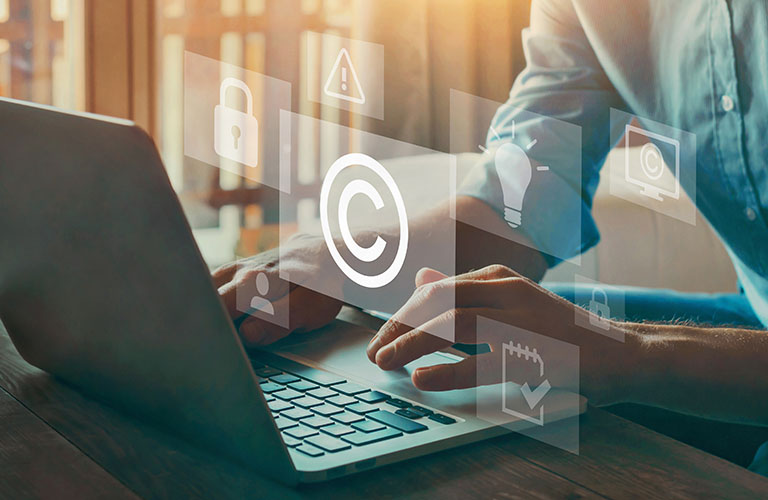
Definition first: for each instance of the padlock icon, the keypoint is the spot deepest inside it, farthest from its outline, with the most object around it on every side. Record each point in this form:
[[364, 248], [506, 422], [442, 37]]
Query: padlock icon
[[599, 311], [236, 133]]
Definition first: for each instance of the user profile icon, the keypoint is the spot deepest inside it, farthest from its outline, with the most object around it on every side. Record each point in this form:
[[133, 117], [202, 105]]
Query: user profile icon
[[259, 302]]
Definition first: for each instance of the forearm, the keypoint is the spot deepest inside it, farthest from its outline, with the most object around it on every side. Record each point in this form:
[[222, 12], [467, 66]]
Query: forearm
[[719, 373], [436, 233], [477, 248]]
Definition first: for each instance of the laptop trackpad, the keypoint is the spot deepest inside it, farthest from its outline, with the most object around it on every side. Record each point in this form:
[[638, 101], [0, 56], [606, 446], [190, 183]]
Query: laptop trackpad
[[340, 348]]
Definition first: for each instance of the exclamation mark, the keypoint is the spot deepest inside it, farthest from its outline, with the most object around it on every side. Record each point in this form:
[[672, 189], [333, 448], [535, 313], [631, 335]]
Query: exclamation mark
[[344, 79]]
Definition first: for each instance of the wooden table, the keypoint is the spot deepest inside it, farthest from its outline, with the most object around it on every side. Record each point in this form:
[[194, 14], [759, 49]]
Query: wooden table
[[57, 444]]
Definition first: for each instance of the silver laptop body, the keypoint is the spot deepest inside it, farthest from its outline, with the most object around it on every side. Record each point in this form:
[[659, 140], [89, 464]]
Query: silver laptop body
[[102, 285]]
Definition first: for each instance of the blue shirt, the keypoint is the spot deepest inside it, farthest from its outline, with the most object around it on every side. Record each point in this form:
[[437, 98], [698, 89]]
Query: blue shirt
[[700, 66]]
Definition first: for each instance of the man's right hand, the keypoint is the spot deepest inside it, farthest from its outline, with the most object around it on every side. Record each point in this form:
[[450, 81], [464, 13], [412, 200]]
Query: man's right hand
[[303, 258]]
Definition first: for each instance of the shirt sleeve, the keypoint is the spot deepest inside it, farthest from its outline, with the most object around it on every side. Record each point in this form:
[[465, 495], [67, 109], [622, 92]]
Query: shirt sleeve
[[563, 85]]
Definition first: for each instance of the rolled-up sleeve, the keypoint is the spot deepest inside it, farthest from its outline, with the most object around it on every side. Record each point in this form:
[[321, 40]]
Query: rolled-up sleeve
[[561, 101]]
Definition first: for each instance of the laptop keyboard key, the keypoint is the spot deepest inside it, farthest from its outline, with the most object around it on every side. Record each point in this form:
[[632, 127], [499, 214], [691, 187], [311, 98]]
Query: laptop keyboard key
[[278, 405], [350, 388], [287, 394], [424, 412], [307, 402], [341, 400], [361, 408], [267, 371], [347, 418], [268, 398], [322, 393], [310, 450], [256, 365], [296, 414], [318, 377], [337, 430], [271, 387], [317, 421], [362, 438], [285, 378], [285, 423], [399, 403], [408, 414], [327, 410], [328, 443], [396, 421], [290, 442], [303, 386], [368, 426], [443, 419], [301, 432], [373, 397]]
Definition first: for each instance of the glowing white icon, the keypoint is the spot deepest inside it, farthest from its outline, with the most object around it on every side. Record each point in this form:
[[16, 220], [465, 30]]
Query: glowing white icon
[[599, 310], [259, 303], [533, 397], [236, 133], [651, 165], [355, 187], [515, 172], [338, 84]]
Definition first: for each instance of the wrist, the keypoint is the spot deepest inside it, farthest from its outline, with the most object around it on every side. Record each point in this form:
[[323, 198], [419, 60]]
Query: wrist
[[635, 372]]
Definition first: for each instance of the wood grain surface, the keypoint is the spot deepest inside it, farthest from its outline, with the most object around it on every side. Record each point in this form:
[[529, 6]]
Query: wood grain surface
[[618, 459]]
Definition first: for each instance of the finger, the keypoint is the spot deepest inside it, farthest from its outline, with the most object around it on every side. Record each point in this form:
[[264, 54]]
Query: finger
[[425, 276], [457, 325], [310, 311], [416, 343], [224, 274], [434, 299], [494, 271], [483, 369], [428, 275]]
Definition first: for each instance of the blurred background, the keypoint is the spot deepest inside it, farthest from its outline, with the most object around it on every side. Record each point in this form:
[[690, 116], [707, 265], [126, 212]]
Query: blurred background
[[124, 58]]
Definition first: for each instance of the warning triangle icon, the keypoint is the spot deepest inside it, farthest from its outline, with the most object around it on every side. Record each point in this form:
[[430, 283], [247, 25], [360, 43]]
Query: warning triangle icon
[[343, 83]]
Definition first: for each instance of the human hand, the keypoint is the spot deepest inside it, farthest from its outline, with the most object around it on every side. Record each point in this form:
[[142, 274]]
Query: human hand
[[498, 293], [304, 258]]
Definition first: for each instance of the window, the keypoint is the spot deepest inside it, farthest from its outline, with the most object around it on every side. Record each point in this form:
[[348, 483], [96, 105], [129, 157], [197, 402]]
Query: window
[[41, 51], [231, 215]]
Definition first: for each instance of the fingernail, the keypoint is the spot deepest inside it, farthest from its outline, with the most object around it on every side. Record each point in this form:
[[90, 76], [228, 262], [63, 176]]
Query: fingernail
[[385, 355], [419, 377], [373, 345]]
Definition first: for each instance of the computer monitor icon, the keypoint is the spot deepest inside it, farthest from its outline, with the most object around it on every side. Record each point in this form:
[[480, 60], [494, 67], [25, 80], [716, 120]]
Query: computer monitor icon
[[646, 170]]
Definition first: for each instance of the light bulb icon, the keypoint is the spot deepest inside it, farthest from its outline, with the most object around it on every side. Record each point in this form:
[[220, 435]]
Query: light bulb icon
[[515, 171]]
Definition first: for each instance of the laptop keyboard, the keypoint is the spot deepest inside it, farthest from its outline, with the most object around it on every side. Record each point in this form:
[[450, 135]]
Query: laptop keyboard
[[319, 413]]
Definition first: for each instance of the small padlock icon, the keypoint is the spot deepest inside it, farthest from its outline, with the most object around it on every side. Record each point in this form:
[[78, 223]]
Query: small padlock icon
[[236, 134], [599, 311]]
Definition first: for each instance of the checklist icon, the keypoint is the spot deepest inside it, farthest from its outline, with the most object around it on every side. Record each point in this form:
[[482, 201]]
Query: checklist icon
[[533, 396]]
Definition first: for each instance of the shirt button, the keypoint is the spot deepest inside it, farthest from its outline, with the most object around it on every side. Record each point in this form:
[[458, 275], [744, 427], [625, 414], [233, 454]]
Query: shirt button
[[727, 103], [750, 213]]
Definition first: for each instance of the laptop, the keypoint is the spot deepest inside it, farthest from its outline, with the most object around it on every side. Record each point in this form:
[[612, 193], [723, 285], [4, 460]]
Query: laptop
[[103, 286]]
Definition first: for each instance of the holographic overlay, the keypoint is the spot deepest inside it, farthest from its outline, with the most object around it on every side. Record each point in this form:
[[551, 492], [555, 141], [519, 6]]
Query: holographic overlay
[[232, 118], [527, 168], [602, 304], [359, 195], [529, 383], [345, 73], [654, 167]]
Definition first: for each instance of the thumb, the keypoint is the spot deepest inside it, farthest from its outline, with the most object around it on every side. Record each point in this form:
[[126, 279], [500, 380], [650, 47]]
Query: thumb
[[428, 275]]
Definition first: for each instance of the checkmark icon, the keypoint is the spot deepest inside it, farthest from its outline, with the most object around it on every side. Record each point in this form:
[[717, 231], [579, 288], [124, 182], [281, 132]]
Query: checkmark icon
[[534, 397]]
